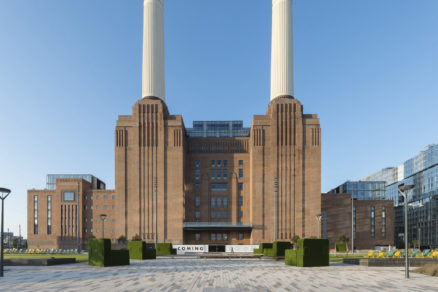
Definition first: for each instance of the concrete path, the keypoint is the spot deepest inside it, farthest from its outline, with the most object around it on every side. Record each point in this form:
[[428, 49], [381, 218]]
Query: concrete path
[[192, 274]]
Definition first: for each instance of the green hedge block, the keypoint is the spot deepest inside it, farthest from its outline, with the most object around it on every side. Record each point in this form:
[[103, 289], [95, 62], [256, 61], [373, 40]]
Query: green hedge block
[[313, 252], [119, 257], [165, 249], [173, 251], [290, 257], [277, 250], [341, 247], [265, 245], [258, 251], [136, 249], [99, 252], [149, 254]]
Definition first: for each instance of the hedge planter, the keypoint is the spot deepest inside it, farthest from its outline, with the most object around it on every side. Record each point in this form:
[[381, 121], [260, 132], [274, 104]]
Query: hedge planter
[[139, 251], [310, 253], [341, 247], [277, 250], [100, 254], [165, 249]]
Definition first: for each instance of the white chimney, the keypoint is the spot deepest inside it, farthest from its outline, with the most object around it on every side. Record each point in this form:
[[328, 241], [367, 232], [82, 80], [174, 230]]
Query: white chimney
[[153, 50], [282, 79]]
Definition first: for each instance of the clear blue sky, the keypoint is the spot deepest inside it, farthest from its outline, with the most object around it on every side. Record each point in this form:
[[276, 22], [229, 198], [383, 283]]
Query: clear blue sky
[[368, 68]]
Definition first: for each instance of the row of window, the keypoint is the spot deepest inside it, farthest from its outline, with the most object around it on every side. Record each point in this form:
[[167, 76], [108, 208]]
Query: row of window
[[105, 197], [218, 236], [97, 220], [216, 163], [219, 186], [105, 207], [98, 231], [218, 214], [219, 202]]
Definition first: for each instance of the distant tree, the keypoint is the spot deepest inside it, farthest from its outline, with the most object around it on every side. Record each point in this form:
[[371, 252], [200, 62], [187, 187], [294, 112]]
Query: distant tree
[[414, 243], [122, 239], [15, 242], [343, 239], [295, 239], [136, 238]]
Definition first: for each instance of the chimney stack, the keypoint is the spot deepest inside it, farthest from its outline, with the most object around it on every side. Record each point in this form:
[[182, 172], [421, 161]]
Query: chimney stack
[[282, 80], [153, 49]]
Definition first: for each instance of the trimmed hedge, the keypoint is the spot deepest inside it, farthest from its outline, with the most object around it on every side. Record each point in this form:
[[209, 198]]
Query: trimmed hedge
[[313, 252], [262, 246], [100, 254], [278, 248], [258, 251], [290, 257], [139, 251], [165, 249], [341, 247]]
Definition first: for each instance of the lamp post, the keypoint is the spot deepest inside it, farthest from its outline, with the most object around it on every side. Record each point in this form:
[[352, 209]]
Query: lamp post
[[319, 217], [4, 193], [103, 218], [403, 188]]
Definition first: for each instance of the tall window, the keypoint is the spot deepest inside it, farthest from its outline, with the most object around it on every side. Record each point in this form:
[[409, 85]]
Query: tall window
[[225, 202], [225, 174], [219, 173], [197, 163], [225, 214], [213, 202], [197, 214], [324, 224], [372, 221], [225, 163], [219, 163], [383, 222], [213, 214], [197, 187], [240, 173], [213, 162], [240, 186], [197, 173], [35, 214], [213, 174], [219, 202], [354, 222], [240, 201], [240, 214], [240, 163], [49, 214], [197, 201], [197, 236]]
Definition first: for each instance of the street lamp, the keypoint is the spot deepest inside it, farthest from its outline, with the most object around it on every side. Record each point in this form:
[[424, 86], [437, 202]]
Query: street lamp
[[103, 218], [4, 193], [403, 188], [319, 217]]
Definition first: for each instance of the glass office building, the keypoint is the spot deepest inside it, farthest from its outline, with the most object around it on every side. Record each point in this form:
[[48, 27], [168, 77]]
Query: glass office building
[[422, 172], [362, 190], [214, 129]]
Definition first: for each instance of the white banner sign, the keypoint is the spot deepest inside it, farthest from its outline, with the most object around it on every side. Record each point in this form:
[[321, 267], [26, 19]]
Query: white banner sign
[[181, 249], [240, 248]]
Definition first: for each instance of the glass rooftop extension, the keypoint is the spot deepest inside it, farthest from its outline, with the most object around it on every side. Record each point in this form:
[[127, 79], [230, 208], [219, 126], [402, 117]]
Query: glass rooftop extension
[[217, 129]]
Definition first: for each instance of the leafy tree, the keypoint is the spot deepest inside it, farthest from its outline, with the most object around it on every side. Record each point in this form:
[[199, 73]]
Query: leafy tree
[[122, 239], [15, 242], [415, 243], [295, 238], [343, 239]]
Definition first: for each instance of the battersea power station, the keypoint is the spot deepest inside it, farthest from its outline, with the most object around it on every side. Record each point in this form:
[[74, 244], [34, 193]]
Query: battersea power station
[[215, 183]]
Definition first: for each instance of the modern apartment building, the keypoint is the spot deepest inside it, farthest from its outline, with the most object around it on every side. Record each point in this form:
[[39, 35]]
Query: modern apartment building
[[422, 172], [215, 183]]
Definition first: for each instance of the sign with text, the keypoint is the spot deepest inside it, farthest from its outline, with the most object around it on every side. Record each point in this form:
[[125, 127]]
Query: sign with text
[[181, 249]]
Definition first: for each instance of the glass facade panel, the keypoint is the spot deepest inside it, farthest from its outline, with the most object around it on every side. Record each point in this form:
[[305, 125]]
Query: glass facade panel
[[217, 129]]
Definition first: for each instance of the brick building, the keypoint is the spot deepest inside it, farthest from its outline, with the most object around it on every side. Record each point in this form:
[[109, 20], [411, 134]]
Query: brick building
[[215, 183], [373, 220]]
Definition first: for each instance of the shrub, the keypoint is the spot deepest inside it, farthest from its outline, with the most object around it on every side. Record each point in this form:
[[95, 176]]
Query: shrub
[[258, 251], [139, 251], [165, 249], [122, 239], [290, 257], [341, 247], [136, 238], [149, 253], [313, 252], [277, 250], [100, 254]]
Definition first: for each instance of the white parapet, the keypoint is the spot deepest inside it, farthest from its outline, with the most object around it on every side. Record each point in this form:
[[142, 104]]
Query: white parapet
[[153, 49], [282, 79]]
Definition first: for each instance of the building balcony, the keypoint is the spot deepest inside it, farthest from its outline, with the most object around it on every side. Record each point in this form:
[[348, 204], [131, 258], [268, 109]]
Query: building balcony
[[213, 226]]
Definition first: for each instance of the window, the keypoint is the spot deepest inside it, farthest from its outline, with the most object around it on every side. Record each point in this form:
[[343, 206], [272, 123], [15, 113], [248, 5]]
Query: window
[[213, 202], [240, 163], [225, 163], [114, 220], [197, 214], [354, 222], [213, 173], [85, 230], [86, 197], [219, 187], [213, 236], [91, 207], [97, 207], [225, 174], [91, 230], [213, 163], [240, 186], [219, 202], [225, 236], [197, 236], [219, 174], [91, 197], [240, 214], [372, 221], [197, 173], [49, 214], [105, 230], [68, 196], [197, 163], [86, 219], [240, 200], [324, 224], [97, 197], [225, 202], [218, 215], [35, 214], [113, 197], [219, 163], [219, 236], [225, 214], [213, 214], [91, 220], [197, 187], [105, 207], [240, 236], [383, 222], [113, 207], [240, 173], [97, 230], [197, 201], [105, 197]]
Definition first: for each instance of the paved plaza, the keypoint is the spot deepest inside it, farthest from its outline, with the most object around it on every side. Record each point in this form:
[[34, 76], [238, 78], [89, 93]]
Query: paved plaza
[[193, 274]]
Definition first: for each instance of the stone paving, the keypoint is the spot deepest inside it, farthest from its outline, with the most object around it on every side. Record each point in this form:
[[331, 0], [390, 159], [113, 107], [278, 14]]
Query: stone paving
[[193, 274]]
